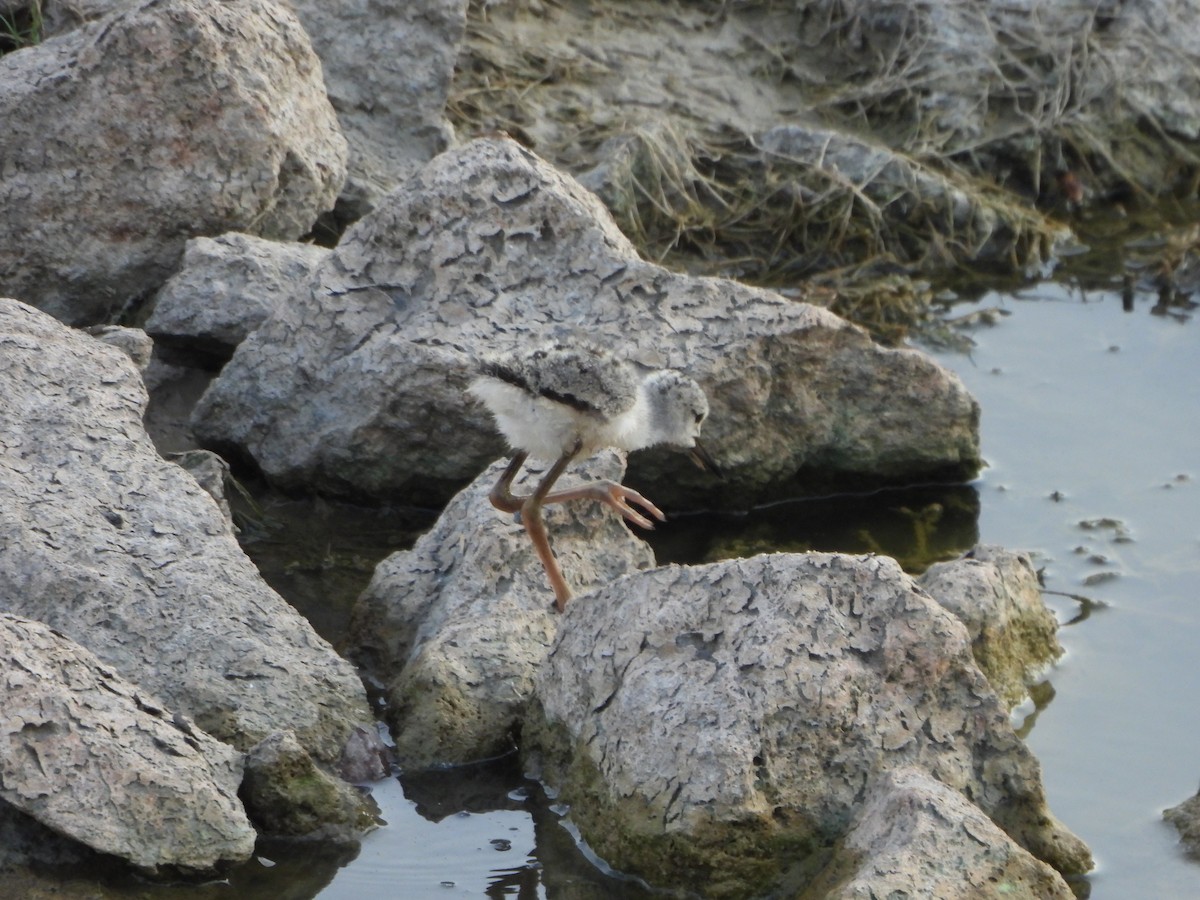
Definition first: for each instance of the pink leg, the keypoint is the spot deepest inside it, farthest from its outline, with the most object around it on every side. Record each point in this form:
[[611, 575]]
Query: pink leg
[[502, 496], [613, 495], [535, 527]]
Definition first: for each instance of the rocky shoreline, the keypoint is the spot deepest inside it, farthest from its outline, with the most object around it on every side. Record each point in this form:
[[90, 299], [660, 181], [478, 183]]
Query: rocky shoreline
[[816, 725]]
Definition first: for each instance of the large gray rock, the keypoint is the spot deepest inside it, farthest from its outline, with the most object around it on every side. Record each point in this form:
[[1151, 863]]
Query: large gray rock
[[915, 837], [995, 593], [388, 68], [712, 727], [225, 288], [93, 757], [171, 119], [356, 387], [456, 627], [124, 552]]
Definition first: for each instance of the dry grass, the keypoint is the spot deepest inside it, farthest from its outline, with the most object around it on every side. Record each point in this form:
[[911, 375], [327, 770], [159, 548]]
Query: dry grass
[[695, 188]]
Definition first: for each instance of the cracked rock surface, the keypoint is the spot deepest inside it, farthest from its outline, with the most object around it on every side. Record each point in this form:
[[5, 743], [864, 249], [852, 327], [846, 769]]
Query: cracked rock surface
[[107, 542], [355, 387], [95, 758], [694, 717], [457, 627]]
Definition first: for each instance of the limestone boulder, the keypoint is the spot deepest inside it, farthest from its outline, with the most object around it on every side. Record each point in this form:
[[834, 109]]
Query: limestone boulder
[[714, 727], [226, 286], [915, 837], [170, 120], [98, 760], [388, 69], [124, 552], [355, 387], [133, 342], [995, 592], [457, 627]]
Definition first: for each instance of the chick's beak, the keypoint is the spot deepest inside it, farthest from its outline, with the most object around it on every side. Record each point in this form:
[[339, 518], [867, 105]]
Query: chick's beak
[[704, 460]]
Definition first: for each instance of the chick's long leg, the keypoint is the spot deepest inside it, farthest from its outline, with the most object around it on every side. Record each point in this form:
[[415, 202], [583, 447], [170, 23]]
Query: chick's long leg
[[535, 527], [610, 493], [502, 496], [530, 509]]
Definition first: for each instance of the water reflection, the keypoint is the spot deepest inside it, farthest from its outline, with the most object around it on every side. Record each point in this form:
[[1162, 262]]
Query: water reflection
[[279, 870], [917, 525], [484, 787], [556, 867], [319, 554]]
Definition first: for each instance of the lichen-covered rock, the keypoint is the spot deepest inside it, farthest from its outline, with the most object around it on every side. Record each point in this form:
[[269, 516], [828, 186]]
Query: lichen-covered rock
[[123, 551], [456, 627], [995, 593], [1186, 819], [356, 387], [172, 118], [714, 726], [225, 288], [97, 759], [288, 795], [915, 837]]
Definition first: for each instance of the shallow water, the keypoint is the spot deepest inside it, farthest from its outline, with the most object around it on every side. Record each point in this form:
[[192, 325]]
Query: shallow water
[[1091, 429]]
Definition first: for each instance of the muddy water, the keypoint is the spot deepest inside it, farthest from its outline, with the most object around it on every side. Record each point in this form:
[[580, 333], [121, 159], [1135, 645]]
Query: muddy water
[[1092, 435]]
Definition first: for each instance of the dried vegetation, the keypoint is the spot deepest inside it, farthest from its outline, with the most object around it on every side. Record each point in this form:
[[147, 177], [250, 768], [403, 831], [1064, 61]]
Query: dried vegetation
[[777, 139]]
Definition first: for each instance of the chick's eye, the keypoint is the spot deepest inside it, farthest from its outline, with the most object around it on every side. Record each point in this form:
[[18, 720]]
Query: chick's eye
[[699, 418]]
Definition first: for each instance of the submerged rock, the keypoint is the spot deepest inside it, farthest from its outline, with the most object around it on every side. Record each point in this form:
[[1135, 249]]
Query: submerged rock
[[915, 837], [171, 119], [995, 593], [122, 551], [94, 758], [356, 387], [456, 627], [713, 727]]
